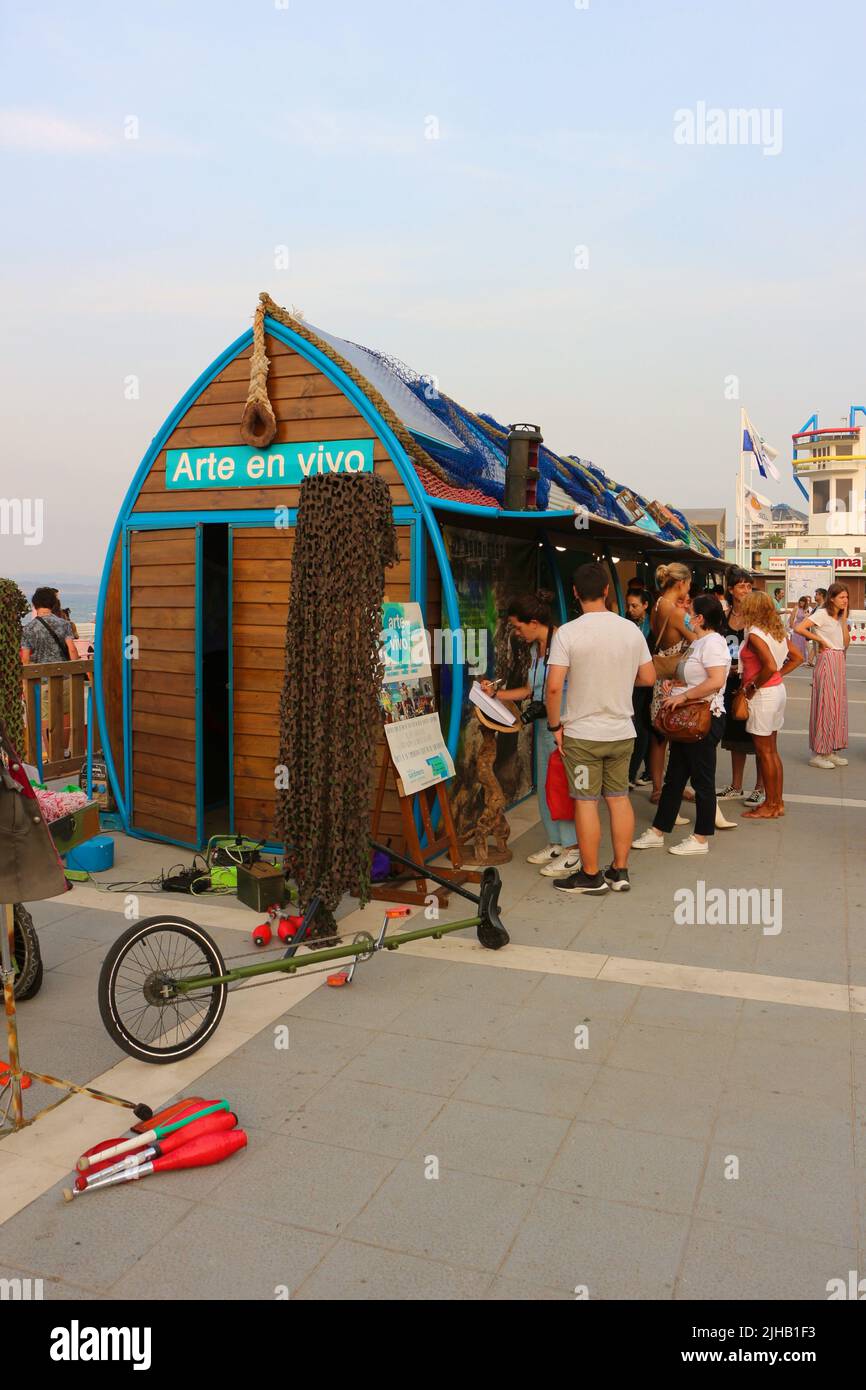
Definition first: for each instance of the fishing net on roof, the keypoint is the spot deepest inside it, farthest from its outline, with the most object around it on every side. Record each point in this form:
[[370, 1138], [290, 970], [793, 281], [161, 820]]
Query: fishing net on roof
[[472, 449]]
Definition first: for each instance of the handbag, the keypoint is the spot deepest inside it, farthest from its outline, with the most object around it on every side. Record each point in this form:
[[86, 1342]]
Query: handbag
[[665, 666], [739, 705], [686, 723], [30, 867], [560, 802]]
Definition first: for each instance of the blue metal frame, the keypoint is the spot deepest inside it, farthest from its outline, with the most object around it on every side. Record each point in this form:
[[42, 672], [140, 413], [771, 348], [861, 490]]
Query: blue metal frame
[[124, 803], [553, 565], [199, 680], [231, 640], [88, 715]]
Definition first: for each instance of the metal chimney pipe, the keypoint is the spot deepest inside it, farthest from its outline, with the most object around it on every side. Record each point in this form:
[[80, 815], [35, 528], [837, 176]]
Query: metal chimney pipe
[[521, 470]]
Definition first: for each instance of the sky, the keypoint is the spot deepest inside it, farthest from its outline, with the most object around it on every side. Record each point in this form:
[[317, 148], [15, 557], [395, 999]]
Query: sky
[[504, 195]]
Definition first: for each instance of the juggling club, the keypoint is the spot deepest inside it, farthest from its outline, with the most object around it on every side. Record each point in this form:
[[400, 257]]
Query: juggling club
[[150, 1135], [217, 1123], [210, 1148]]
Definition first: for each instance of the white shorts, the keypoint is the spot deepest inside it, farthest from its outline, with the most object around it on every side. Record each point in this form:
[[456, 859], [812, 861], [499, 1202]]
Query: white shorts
[[767, 710]]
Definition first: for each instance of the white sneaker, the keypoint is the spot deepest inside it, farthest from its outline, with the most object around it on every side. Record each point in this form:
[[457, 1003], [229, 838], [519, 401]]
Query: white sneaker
[[837, 760], [544, 856], [818, 761], [729, 794], [682, 820], [690, 846], [563, 865], [650, 839], [721, 823]]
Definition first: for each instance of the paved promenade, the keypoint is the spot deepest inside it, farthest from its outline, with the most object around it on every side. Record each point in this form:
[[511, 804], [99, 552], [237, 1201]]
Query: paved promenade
[[620, 1103]]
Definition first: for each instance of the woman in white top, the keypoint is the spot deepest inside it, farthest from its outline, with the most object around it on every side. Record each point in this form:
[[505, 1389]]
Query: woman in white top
[[701, 676], [828, 717], [766, 657]]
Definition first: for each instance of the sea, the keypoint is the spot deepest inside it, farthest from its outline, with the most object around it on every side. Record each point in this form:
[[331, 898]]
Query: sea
[[80, 597]]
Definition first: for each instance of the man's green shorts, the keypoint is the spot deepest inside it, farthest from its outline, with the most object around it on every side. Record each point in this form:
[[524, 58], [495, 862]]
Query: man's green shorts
[[597, 769]]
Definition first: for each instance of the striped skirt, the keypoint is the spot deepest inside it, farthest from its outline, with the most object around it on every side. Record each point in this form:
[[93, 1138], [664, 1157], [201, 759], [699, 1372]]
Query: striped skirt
[[828, 716]]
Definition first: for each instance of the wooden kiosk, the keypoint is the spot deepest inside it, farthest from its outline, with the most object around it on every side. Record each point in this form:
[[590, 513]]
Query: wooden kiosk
[[193, 602]]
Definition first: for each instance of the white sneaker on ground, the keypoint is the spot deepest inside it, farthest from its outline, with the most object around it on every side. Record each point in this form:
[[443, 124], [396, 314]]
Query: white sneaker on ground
[[565, 864], [818, 761], [755, 798], [682, 820], [721, 823], [690, 846], [837, 760], [729, 794], [544, 856], [650, 839]]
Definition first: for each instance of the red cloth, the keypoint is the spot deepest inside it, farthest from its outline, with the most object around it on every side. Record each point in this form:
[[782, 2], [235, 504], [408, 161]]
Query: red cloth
[[560, 802]]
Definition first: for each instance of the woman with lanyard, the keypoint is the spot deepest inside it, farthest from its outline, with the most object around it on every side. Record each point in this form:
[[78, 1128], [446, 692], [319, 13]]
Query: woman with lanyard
[[828, 716], [531, 617], [736, 738]]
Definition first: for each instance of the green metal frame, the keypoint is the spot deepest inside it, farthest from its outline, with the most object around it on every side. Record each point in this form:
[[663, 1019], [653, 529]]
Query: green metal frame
[[291, 965]]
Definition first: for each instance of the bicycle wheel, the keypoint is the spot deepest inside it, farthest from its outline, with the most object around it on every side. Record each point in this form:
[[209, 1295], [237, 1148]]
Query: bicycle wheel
[[28, 957], [141, 1007]]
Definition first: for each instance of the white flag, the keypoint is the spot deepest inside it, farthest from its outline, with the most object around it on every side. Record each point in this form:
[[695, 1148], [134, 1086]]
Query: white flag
[[762, 452]]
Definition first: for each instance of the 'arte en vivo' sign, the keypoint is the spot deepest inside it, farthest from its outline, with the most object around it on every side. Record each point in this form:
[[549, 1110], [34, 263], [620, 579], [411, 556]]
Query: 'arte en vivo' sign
[[216, 465]]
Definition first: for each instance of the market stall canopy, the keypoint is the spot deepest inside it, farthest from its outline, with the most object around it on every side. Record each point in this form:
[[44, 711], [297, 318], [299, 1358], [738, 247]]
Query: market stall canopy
[[461, 457]]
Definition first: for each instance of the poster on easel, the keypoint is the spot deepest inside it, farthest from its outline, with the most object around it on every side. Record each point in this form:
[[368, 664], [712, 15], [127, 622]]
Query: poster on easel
[[407, 701]]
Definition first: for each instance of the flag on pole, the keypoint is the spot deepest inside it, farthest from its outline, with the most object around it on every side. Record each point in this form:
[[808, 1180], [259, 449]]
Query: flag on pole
[[758, 508], [762, 453]]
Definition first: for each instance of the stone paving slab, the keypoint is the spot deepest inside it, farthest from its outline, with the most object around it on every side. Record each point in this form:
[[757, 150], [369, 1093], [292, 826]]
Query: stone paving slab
[[434, 1132]]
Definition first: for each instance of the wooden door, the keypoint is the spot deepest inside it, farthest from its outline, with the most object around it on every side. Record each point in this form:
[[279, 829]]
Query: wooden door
[[261, 573], [162, 680]]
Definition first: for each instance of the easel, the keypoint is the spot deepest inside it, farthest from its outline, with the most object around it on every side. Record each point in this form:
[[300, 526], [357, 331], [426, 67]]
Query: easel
[[445, 842]]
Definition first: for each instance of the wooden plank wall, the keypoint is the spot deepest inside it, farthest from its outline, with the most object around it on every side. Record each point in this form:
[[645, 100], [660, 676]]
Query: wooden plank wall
[[307, 406], [261, 576], [162, 596]]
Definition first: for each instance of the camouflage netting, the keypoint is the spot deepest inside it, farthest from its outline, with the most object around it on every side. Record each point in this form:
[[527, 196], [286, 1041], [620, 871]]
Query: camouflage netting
[[13, 606], [329, 714]]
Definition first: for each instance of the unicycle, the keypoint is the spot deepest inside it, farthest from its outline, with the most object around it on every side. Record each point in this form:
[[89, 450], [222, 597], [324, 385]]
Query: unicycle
[[140, 998]]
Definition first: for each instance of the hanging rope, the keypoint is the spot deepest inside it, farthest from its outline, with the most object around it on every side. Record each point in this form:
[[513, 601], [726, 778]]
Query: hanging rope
[[329, 714], [413, 449], [258, 422], [13, 606]]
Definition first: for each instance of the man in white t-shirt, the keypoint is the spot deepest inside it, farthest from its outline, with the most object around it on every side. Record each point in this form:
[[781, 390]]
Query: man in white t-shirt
[[603, 657]]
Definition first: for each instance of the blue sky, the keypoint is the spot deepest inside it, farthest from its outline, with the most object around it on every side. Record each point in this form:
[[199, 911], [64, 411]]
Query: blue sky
[[305, 126]]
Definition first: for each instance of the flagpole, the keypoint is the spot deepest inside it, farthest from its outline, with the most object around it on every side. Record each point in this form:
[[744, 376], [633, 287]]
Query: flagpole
[[741, 499]]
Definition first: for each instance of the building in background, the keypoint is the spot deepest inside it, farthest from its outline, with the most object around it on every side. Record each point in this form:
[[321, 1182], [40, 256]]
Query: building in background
[[785, 522], [830, 469]]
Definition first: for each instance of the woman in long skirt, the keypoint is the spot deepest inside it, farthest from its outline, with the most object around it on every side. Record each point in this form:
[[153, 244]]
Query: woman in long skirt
[[797, 640], [828, 716]]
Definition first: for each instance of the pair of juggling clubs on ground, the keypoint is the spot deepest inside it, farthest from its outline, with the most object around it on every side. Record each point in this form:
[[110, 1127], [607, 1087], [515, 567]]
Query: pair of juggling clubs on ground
[[200, 1135]]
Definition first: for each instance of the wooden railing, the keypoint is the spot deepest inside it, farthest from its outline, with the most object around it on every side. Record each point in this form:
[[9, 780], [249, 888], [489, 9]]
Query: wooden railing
[[55, 714]]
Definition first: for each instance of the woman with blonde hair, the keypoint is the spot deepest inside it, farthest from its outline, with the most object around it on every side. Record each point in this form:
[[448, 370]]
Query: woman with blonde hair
[[670, 638], [828, 716], [767, 656]]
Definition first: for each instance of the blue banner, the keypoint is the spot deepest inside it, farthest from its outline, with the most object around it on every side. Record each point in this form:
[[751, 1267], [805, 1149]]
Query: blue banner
[[281, 465]]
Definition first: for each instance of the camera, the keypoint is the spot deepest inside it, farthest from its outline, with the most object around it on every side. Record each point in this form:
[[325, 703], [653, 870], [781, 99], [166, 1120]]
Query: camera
[[535, 709]]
